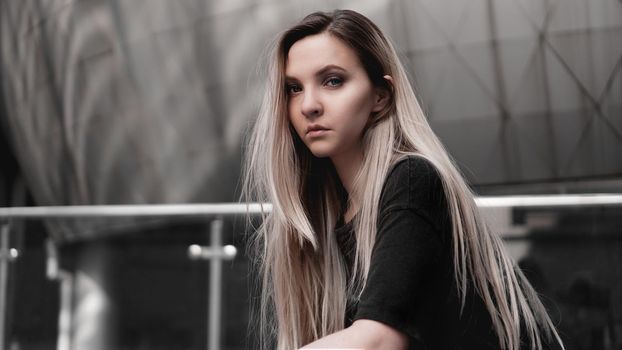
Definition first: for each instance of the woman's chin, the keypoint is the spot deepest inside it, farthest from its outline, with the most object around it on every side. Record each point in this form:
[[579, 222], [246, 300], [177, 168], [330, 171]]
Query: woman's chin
[[320, 150], [320, 153]]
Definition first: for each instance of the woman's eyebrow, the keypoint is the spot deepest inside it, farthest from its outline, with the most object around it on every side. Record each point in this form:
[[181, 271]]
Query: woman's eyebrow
[[321, 71], [329, 67]]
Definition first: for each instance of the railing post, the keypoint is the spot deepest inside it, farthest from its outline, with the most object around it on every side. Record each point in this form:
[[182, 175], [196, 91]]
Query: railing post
[[215, 253], [215, 287], [7, 255], [4, 278]]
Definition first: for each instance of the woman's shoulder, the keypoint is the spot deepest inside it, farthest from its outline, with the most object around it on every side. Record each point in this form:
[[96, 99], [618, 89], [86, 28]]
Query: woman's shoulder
[[414, 183], [413, 166], [415, 176]]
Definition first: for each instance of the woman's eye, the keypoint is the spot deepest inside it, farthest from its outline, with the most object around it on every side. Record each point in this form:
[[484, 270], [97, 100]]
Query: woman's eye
[[292, 88], [334, 81]]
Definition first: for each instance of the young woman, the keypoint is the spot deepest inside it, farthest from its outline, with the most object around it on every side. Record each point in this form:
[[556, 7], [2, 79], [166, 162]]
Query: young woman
[[374, 240]]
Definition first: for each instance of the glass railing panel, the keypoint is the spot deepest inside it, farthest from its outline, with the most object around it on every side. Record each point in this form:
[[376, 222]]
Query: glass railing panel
[[135, 288], [137, 285]]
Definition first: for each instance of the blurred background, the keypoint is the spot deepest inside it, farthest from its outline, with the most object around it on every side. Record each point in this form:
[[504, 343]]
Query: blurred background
[[150, 101]]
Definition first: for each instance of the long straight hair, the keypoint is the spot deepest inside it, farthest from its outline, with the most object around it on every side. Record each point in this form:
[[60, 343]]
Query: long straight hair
[[303, 284]]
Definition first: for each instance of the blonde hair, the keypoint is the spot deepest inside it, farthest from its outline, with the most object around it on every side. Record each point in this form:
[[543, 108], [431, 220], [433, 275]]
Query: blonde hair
[[302, 275]]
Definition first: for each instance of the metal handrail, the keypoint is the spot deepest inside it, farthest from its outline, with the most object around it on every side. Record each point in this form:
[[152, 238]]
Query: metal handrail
[[227, 209], [139, 210], [557, 200]]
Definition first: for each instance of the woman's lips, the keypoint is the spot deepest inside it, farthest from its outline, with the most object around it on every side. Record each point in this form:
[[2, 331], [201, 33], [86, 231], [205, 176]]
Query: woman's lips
[[316, 132]]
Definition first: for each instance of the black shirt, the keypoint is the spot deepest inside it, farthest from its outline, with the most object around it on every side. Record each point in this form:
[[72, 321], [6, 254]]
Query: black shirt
[[411, 285]]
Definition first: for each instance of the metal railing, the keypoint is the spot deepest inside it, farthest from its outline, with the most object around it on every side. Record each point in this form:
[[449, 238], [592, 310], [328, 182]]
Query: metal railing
[[232, 209], [215, 252]]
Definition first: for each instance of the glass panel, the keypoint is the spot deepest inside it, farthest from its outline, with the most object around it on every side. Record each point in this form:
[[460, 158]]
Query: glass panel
[[138, 288], [573, 258]]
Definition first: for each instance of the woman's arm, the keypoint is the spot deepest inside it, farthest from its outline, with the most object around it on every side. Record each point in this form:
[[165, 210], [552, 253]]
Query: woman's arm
[[363, 334]]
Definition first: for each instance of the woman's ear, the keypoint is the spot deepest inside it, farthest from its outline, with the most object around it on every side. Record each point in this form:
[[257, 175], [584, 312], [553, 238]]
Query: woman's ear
[[389, 79], [383, 95]]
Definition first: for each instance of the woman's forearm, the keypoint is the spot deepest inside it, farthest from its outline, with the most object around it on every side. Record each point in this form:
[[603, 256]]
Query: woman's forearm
[[363, 334]]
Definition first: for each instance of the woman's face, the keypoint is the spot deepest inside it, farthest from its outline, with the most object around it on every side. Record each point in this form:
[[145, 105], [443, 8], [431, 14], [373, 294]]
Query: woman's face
[[330, 96]]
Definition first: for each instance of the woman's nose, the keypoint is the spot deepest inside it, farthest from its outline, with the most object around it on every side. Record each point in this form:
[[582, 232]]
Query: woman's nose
[[311, 105]]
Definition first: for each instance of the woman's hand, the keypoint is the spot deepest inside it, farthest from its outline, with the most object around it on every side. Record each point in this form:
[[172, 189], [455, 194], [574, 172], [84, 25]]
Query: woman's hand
[[363, 334]]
